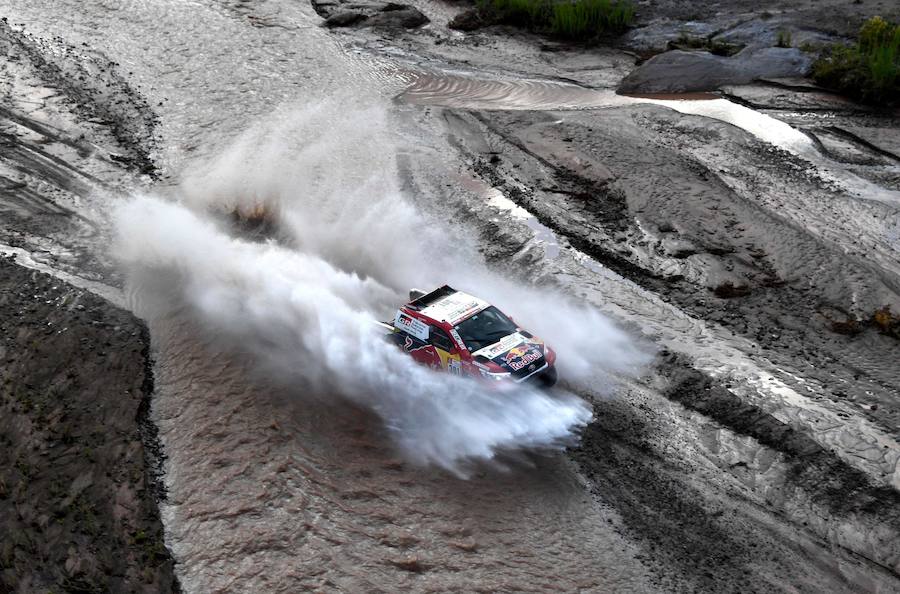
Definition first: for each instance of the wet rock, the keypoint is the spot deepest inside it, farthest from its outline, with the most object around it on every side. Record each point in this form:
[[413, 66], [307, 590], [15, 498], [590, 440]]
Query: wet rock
[[468, 20], [344, 18], [762, 33], [394, 16], [655, 37], [781, 93], [729, 290], [681, 71], [390, 15]]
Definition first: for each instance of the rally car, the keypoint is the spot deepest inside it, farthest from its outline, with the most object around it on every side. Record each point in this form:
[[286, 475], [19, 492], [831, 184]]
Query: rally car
[[461, 334]]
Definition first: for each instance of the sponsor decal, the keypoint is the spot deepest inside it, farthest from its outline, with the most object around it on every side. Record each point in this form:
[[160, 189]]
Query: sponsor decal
[[459, 315], [411, 326], [446, 358], [458, 339], [455, 307], [409, 345], [498, 348], [521, 356]]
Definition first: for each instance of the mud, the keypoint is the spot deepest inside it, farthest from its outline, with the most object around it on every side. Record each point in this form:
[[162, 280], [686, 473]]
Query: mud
[[77, 497], [74, 134], [708, 236]]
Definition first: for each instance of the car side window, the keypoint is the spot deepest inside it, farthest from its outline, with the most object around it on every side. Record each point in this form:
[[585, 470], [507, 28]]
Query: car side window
[[440, 339]]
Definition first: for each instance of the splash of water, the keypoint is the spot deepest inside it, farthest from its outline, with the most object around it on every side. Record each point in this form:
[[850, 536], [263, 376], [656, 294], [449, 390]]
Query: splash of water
[[350, 246]]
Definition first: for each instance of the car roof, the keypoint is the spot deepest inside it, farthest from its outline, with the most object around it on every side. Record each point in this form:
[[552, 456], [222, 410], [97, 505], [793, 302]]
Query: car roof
[[448, 305]]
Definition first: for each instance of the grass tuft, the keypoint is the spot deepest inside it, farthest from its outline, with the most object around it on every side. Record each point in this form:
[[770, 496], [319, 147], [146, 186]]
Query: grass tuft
[[578, 20], [870, 69], [784, 39], [583, 19]]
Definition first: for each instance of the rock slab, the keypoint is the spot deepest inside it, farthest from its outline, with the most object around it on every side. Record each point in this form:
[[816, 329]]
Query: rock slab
[[680, 71]]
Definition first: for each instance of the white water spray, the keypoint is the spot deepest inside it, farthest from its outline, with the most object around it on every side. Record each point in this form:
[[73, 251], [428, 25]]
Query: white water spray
[[350, 247]]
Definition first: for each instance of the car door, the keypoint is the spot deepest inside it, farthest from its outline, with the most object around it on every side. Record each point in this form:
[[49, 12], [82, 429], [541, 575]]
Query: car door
[[446, 350]]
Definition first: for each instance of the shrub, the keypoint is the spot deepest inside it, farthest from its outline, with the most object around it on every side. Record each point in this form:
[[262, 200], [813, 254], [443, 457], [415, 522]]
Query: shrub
[[784, 39], [523, 13], [582, 19], [570, 19], [868, 70]]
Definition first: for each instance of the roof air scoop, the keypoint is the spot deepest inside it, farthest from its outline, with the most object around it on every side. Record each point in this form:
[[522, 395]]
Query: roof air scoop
[[415, 294]]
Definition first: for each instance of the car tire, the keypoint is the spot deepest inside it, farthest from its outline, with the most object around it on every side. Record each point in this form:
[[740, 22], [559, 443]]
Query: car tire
[[548, 378]]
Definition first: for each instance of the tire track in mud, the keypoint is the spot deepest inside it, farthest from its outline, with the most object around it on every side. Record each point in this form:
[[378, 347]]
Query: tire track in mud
[[94, 90], [816, 490], [74, 134], [846, 496], [685, 254], [700, 531]]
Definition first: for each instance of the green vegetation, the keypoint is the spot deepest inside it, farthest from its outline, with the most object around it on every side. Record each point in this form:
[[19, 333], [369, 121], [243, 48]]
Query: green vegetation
[[784, 39], [870, 69], [580, 20], [584, 19]]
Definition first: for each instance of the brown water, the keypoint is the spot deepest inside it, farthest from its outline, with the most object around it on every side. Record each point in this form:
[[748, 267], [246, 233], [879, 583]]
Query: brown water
[[270, 493]]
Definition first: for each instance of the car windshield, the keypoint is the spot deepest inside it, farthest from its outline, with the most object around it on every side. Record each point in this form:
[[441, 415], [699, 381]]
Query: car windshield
[[485, 328]]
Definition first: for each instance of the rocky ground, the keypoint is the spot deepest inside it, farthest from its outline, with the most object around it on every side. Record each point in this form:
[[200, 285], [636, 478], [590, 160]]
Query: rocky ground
[[78, 484]]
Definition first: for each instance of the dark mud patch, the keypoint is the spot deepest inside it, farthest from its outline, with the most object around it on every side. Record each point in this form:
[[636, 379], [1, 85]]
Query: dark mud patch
[[672, 521], [77, 496]]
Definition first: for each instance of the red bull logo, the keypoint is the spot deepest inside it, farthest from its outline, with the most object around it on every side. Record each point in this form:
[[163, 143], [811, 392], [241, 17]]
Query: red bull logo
[[515, 353], [520, 356]]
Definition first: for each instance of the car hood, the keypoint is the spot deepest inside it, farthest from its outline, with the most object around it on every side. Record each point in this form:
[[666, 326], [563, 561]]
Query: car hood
[[515, 353]]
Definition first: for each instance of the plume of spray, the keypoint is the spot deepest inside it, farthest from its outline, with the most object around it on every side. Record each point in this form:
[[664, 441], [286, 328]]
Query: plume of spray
[[351, 246]]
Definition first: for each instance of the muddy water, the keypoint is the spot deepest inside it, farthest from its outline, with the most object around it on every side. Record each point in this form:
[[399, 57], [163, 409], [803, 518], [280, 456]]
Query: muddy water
[[270, 493]]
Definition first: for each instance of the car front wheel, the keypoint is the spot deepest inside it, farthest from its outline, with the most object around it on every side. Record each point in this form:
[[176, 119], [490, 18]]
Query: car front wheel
[[548, 378]]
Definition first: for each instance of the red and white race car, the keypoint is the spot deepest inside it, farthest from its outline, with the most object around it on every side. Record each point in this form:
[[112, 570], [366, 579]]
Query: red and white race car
[[454, 331]]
